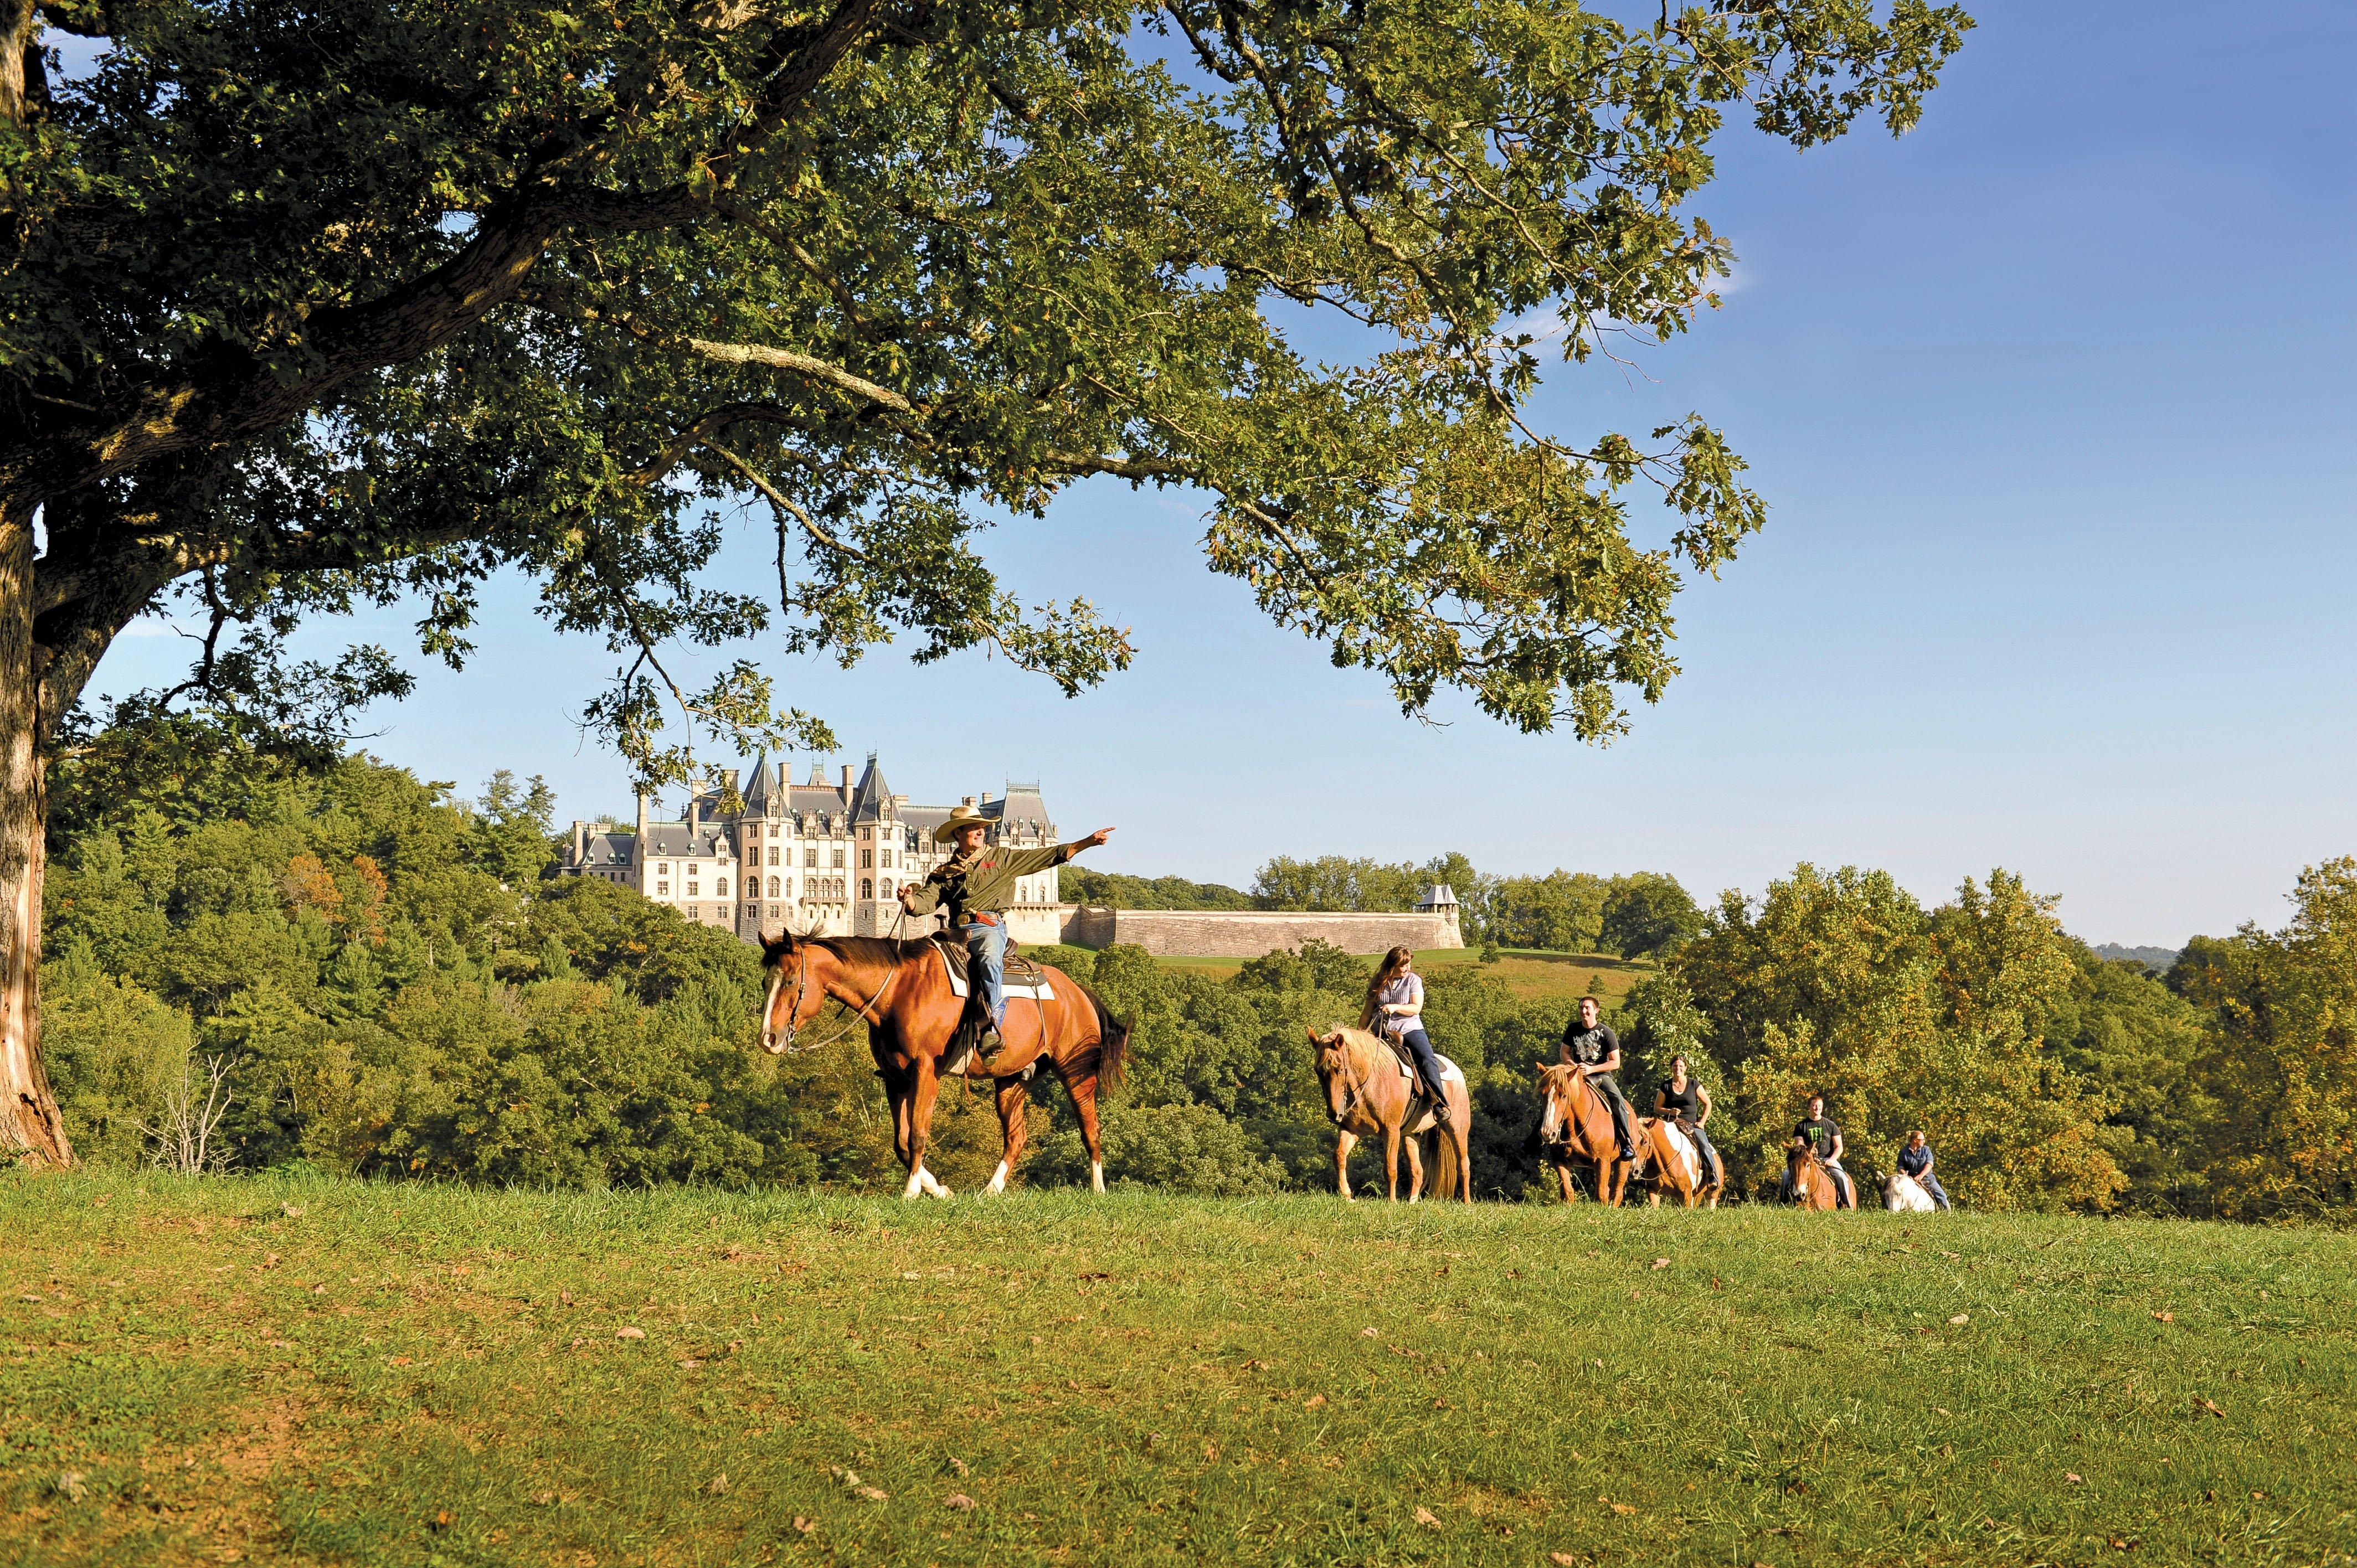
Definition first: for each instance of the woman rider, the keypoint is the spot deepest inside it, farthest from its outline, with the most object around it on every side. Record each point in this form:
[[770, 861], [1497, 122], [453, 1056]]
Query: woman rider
[[1395, 1007], [1689, 1103]]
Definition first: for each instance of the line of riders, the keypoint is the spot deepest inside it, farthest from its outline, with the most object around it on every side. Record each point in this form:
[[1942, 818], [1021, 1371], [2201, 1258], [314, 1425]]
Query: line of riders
[[972, 890], [1395, 1008]]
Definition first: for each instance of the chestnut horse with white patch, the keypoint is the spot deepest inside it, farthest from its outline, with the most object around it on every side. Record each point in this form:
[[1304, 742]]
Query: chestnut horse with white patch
[[903, 992], [1367, 1096], [1575, 1124]]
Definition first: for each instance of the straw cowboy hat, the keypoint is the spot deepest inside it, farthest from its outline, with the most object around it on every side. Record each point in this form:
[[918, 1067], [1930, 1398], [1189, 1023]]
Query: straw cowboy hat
[[961, 817]]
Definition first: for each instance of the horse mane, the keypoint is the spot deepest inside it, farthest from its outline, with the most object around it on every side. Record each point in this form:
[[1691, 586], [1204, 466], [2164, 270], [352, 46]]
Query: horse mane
[[859, 950]]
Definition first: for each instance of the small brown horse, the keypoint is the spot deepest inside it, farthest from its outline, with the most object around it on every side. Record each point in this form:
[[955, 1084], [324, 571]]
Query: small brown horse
[[1810, 1182], [1675, 1164], [1366, 1095], [903, 992], [1575, 1124]]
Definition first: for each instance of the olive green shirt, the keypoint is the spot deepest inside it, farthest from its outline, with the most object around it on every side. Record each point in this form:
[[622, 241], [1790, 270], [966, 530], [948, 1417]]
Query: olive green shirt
[[981, 882]]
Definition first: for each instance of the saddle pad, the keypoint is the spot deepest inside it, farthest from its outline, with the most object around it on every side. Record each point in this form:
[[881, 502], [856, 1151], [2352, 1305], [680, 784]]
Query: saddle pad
[[1038, 988], [1450, 1071]]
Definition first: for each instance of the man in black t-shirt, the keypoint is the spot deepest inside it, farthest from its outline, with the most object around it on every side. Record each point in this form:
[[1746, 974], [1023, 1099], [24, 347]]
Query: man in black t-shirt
[[1824, 1134], [1590, 1045]]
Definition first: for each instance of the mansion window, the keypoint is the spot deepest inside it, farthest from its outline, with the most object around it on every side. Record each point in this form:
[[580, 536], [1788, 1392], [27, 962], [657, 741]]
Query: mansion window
[[773, 887], [867, 859], [773, 855], [809, 858], [691, 889], [838, 860], [663, 888], [773, 833], [720, 889], [664, 870], [888, 860], [867, 888]]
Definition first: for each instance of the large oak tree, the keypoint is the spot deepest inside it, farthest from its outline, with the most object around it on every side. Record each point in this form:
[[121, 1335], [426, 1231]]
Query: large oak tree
[[309, 303]]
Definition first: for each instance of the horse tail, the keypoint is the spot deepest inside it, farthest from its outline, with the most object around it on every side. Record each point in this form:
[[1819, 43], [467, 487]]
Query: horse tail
[[1446, 1177], [1112, 1042]]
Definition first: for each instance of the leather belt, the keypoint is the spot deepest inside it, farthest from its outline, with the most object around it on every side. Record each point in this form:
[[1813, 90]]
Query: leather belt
[[979, 919]]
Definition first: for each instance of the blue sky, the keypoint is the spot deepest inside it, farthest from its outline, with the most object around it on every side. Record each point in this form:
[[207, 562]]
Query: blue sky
[[2050, 402]]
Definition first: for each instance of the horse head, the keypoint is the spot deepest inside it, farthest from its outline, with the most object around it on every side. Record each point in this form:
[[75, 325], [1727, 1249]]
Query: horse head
[[795, 994], [1335, 1069], [1559, 1088]]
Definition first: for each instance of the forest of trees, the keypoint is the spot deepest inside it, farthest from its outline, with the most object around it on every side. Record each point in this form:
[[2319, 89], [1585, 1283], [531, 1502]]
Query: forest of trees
[[360, 973]]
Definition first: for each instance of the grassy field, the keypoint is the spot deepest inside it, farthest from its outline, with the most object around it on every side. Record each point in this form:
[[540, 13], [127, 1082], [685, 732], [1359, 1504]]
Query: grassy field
[[1529, 975], [312, 1371]]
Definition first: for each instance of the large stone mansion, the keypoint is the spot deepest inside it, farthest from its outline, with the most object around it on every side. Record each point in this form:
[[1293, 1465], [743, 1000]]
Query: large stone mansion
[[829, 859], [816, 857]]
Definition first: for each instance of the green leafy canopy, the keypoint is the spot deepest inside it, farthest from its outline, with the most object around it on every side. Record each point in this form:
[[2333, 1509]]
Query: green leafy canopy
[[313, 303]]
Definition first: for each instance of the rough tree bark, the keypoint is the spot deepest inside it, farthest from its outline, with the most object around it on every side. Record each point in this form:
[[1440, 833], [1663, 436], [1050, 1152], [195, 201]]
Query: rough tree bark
[[29, 1123]]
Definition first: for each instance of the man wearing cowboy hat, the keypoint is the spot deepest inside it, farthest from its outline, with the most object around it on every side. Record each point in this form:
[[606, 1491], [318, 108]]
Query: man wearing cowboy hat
[[975, 884]]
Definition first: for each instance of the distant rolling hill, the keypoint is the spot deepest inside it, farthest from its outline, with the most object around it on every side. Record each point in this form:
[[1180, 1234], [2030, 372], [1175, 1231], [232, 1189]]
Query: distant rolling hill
[[2156, 960]]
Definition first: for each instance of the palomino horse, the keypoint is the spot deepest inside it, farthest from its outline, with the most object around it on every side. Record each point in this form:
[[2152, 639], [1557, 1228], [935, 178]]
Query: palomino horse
[[1904, 1194], [903, 992], [1575, 1124], [1810, 1182], [1676, 1164], [1366, 1095]]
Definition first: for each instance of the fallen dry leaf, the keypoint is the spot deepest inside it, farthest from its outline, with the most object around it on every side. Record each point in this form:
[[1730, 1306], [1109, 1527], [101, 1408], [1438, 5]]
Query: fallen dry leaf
[[2164, 1317], [873, 1494], [2071, 1476], [2119, 1545], [1366, 1334], [630, 1334], [2212, 1408], [959, 1501], [1313, 1402], [1624, 1508], [804, 1525], [2257, 1495], [441, 1520], [1945, 1253], [1943, 1411], [269, 1260], [1426, 1517], [69, 1486], [1440, 1404], [959, 1467], [689, 1364], [718, 1484], [1960, 1318], [398, 1361], [1562, 1559], [542, 1499], [1661, 1263]]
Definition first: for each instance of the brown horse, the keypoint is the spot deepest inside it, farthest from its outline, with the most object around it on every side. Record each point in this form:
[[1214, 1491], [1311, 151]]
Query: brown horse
[[1809, 1180], [902, 991], [1575, 1124], [1366, 1095], [1674, 1163]]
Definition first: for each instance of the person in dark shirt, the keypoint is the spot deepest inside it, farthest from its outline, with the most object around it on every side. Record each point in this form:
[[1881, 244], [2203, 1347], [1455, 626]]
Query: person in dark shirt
[[1915, 1160], [1689, 1103], [1592, 1047], [1824, 1134]]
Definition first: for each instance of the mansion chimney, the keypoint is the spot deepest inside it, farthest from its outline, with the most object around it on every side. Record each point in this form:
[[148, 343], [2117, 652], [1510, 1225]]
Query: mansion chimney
[[847, 781], [580, 841], [694, 814], [642, 824]]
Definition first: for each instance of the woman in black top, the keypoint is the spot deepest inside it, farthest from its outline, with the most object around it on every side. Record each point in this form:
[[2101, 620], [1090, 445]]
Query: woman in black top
[[1688, 1102]]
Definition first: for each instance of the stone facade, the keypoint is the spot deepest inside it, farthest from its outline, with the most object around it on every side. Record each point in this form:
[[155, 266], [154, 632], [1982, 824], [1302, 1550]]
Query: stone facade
[[821, 858]]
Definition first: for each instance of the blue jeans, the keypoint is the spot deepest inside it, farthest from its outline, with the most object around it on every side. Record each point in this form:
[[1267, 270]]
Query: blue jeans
[[1931, 1183], [1419, 1046], [986, 945], [1702, 1143]]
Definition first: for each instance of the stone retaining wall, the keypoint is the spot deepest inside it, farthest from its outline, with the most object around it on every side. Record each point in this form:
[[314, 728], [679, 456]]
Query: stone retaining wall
[[1207, 933]]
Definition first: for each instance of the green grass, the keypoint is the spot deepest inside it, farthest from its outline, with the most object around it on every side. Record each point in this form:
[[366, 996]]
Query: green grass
[[415, 1376]]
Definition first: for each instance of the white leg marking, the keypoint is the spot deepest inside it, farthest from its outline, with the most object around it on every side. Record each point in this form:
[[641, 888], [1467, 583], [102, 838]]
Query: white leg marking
[[933, 1188], [916, 1187], [998, 1179], [1096, 1175]]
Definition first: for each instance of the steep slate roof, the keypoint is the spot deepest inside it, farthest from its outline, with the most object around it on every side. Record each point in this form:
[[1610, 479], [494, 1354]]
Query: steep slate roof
[[869, 797], [673, 841], [1022, 809], [756, 793], [606, 851]]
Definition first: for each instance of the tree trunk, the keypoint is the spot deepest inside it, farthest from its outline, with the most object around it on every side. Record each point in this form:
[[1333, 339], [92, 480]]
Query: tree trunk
[[30, 1123]]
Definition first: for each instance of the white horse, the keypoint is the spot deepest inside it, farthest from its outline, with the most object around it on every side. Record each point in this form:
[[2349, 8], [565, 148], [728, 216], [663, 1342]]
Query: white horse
[[1905, 1195]]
